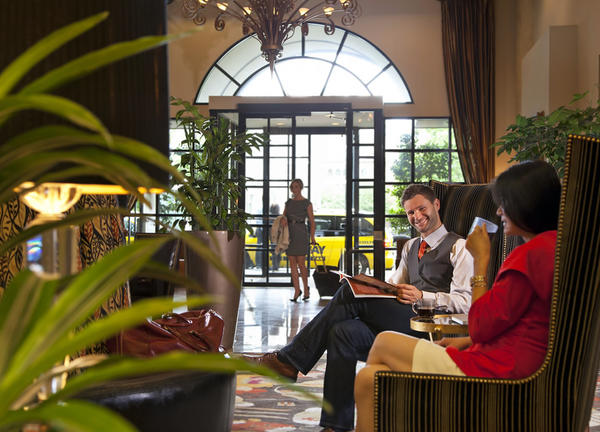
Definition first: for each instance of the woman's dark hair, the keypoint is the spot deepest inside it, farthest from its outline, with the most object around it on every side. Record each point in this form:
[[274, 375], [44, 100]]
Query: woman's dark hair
[[529, 194]]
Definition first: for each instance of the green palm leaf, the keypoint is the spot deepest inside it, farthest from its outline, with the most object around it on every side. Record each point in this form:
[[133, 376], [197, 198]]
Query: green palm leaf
[[94, 60], [52, 104], [80, 298], [68, 416], [20, 305]]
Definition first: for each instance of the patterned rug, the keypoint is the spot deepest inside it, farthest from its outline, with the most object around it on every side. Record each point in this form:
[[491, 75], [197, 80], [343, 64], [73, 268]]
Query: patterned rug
[[261, 405]]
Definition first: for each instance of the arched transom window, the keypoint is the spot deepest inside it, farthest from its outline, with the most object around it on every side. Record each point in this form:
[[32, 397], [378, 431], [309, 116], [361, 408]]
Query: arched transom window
[[343, 64]]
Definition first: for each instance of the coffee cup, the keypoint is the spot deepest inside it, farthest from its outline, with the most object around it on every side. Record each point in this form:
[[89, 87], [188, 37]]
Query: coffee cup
[[424, 307]]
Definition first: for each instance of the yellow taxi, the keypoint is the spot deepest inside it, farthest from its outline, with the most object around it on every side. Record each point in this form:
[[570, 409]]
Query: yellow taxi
[[329, 234]]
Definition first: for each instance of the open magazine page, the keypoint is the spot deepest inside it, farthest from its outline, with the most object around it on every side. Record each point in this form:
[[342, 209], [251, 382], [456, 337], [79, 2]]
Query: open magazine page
[[367, 286]]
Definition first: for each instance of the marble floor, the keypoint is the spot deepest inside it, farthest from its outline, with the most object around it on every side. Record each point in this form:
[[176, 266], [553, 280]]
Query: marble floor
[[268, 320]]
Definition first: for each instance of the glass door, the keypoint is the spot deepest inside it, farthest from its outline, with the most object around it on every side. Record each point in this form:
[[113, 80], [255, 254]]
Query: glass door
[[334, 151]]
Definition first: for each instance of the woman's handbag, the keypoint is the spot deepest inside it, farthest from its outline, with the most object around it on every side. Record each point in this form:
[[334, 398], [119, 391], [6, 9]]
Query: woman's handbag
[[193, 331]]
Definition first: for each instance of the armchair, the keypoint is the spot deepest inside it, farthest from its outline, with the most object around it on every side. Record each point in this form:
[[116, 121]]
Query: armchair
[[559, 396]]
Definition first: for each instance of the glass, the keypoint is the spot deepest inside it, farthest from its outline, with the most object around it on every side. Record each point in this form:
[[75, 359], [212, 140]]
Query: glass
[[213, 85], [301, 145], [362, 58], [368, 64], [343, 83], [366, 136], [176, 135], [398, 167], [254, 168], [365, 197], [328, 173], [279, 151], [366, 150], [242, 59], [392, 199], [398, 133], [320, 45], [303, 76], [424, 307], [391, 86], [431, 134], [278, 168], [277, 138], [261, 84], [396, 227], [167, 204], [457, 174], [254, 198], [431, 166], [292, 47], [366, 168], [364, 119]]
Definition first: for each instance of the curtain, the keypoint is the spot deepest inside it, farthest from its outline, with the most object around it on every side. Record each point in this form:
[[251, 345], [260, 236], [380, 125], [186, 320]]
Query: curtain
[[468, 47]]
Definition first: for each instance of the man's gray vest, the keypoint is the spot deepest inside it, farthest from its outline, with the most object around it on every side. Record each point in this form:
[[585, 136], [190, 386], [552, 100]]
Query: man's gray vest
[[433, 272]]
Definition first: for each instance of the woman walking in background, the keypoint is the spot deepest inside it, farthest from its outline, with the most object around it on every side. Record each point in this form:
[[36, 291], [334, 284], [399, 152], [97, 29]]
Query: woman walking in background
[[297, 209]]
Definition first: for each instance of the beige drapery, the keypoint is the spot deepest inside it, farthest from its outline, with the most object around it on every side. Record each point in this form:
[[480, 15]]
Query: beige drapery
[[468, 47]]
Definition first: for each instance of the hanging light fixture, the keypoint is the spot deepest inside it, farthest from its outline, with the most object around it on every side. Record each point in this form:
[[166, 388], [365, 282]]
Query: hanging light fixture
[[274, 21]]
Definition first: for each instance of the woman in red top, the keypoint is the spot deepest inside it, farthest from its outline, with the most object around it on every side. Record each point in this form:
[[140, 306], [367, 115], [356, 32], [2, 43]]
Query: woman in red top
[[508, 325]]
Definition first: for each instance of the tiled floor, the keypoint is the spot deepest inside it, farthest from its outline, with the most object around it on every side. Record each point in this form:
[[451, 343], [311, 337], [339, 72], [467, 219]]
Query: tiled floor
[[267, 320]]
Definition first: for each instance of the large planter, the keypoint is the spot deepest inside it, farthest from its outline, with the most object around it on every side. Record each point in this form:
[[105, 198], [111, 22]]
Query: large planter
[[230, 247]]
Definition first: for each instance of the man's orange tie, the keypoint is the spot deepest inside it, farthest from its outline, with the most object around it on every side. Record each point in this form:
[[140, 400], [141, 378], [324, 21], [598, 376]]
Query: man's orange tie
[[422, 248]]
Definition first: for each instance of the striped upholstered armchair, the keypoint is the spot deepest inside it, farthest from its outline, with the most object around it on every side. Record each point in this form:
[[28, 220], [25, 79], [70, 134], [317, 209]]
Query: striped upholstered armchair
[[559, 396]]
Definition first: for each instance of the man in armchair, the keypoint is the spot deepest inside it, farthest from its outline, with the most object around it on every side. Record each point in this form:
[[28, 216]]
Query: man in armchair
[[435, 264]]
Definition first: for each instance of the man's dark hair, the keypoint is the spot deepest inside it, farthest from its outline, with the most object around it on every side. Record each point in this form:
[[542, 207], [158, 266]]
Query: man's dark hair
[[529, 194], [417, 189]]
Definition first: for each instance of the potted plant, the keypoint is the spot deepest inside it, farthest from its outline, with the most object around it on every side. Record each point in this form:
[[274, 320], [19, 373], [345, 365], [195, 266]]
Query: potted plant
[[545, 136], [210, 162], [41, 318]]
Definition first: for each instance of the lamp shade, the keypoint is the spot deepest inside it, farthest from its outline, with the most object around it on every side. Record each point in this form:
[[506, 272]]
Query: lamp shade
[[130, 96]]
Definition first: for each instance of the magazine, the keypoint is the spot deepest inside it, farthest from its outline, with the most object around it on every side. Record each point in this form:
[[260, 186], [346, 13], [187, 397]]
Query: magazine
[[368, 286]]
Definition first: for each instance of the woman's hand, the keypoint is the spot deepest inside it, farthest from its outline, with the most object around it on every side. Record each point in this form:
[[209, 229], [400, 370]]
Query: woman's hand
[[460, 343], [284, 222], [478, 245], [478, 242]]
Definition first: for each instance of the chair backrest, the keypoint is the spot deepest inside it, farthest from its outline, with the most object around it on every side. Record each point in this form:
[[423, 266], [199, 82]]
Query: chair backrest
[[460, 204], [168, 254], [574, 342]]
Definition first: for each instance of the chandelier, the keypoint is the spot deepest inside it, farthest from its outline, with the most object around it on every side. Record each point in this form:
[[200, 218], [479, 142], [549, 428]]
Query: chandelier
[[274, 21]]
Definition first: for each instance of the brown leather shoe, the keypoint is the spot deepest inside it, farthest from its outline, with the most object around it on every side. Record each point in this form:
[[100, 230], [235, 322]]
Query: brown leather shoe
[[271, 361]]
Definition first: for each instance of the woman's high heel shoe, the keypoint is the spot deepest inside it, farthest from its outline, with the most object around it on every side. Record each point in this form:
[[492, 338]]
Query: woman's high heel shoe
[[295, 299], [306, 297]]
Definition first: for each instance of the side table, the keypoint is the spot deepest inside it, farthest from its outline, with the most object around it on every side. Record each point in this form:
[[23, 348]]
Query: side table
[[439, 325]]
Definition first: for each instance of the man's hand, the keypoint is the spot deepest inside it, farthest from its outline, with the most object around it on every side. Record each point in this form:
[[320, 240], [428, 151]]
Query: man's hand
[[408, 294], [460, 343]]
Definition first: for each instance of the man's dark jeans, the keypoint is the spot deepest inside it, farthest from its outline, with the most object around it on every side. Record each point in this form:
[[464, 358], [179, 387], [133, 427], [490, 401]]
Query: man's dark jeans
[[346, 328]]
